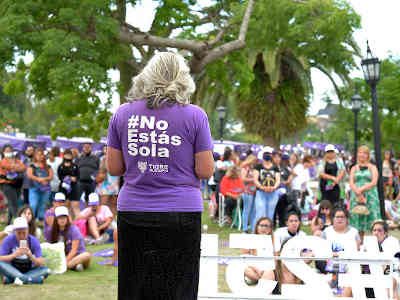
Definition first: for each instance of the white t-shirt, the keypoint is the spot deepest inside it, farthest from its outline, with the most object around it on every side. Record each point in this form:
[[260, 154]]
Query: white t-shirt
[[282, 234], [55, 182], [391, 245], [302, 177], [345, 239]]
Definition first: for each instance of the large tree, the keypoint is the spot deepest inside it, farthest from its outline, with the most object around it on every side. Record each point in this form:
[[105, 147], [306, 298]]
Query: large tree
[[285, 40], [75, 43]]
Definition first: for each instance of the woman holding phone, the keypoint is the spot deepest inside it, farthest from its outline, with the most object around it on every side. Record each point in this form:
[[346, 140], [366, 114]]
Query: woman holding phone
[[21, 260]]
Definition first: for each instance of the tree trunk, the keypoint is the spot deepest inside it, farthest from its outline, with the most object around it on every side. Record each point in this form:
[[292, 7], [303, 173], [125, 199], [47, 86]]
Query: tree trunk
[[273, 142], [126, 73]]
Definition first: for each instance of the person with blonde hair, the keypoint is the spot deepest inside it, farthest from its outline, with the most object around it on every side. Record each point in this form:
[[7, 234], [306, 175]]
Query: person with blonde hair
[[249, 192], [364, 200], [162, 146]]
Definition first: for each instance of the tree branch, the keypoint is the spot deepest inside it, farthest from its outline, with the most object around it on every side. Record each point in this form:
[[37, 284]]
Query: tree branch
[[196, 64]]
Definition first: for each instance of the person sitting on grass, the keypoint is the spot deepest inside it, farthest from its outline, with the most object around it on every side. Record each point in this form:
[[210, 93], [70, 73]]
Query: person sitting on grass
[[78, 258], [292, 229], [232, 188], [24, 211], [323, 219], [252, 274], [21, 260], [99, 218], [59, 200]]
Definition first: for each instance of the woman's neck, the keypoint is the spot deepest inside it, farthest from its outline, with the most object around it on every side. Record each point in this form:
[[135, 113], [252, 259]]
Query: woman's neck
[[340, 229], [62, 228]]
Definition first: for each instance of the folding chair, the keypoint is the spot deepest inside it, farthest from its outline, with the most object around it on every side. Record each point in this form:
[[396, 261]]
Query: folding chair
[[237, 215], [221, 210]]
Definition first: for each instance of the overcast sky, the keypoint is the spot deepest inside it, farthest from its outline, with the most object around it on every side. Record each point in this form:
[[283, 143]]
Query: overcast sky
[[380, 22]]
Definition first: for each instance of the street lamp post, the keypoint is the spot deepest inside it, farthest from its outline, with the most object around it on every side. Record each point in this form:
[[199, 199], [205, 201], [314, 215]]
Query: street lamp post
[[221, 115], [322, 131], [371, 70], [356, 105]]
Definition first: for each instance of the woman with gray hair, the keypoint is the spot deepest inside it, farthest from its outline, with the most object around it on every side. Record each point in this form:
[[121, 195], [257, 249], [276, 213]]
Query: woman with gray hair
[[162, 146]]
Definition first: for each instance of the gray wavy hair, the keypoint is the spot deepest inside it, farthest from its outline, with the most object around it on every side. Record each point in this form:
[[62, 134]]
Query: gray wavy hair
[[165, 78]]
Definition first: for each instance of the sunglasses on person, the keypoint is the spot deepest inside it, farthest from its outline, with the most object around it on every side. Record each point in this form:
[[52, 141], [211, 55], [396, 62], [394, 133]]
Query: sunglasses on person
[[265, 225]]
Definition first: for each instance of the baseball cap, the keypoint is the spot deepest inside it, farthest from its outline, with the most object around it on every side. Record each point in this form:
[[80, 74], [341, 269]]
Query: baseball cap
[[59, 197], [330, 147], [20, 223], [93, 199], [61, 211], [268, 149]]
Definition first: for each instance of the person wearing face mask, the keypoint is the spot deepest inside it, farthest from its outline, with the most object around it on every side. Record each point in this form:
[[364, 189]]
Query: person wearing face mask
[[11, 181], [28, 156], [68, 173], [266, 180], [88, 165]]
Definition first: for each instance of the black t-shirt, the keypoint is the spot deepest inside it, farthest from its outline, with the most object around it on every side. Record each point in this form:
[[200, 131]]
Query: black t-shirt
[[285, 173], [330, 169], [71, 170], [267, 176]]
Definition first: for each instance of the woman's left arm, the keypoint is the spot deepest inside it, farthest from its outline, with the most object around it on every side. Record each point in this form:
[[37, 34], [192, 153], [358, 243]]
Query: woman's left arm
[[50, 177], [277, 181], [374, 180], [74, 250], [115, 162]]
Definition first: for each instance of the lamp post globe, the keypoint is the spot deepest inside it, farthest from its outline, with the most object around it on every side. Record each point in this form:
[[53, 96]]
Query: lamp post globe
[[221, 110], [371, 69]]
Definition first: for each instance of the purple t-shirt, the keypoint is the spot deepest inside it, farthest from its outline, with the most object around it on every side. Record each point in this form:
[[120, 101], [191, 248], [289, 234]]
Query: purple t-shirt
[[11, 244], [73, 235], [158, 147]]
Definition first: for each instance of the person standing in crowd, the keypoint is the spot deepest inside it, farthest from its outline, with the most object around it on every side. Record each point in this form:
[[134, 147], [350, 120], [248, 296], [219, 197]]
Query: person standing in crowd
[[163, 147], [232, 188], [282, 162], [54, 161], [293, 160], [27, 161], [267, 180], [108, 189], [387, 174], [331, 171], [364, 201], [62, 230], [40, 174], [21, 260], [88, 165], [220, 169], [301, 177], [249, 191], [11, 179], [68, 173]]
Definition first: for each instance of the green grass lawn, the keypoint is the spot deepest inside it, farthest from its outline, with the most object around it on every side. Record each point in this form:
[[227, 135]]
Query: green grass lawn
[[100, 282]]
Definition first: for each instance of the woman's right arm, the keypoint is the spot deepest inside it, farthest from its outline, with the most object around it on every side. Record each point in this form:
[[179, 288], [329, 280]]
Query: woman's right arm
[[29, 173], [351, 180], [204, 164], [115, 162]]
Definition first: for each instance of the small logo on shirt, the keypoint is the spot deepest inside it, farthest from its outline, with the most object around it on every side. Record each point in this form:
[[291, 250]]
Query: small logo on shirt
[[142, 165], [158, 168]]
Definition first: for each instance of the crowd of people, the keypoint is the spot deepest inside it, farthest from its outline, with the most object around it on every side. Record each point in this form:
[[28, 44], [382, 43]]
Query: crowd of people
[[67, 197], [271, 191]]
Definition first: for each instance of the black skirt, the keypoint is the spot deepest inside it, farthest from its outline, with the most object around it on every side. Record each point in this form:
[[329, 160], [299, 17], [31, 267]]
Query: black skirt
[[158, 255]]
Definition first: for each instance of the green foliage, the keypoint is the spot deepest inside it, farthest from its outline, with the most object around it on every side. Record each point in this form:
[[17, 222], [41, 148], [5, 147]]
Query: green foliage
[[388, 91], [290, 38]]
